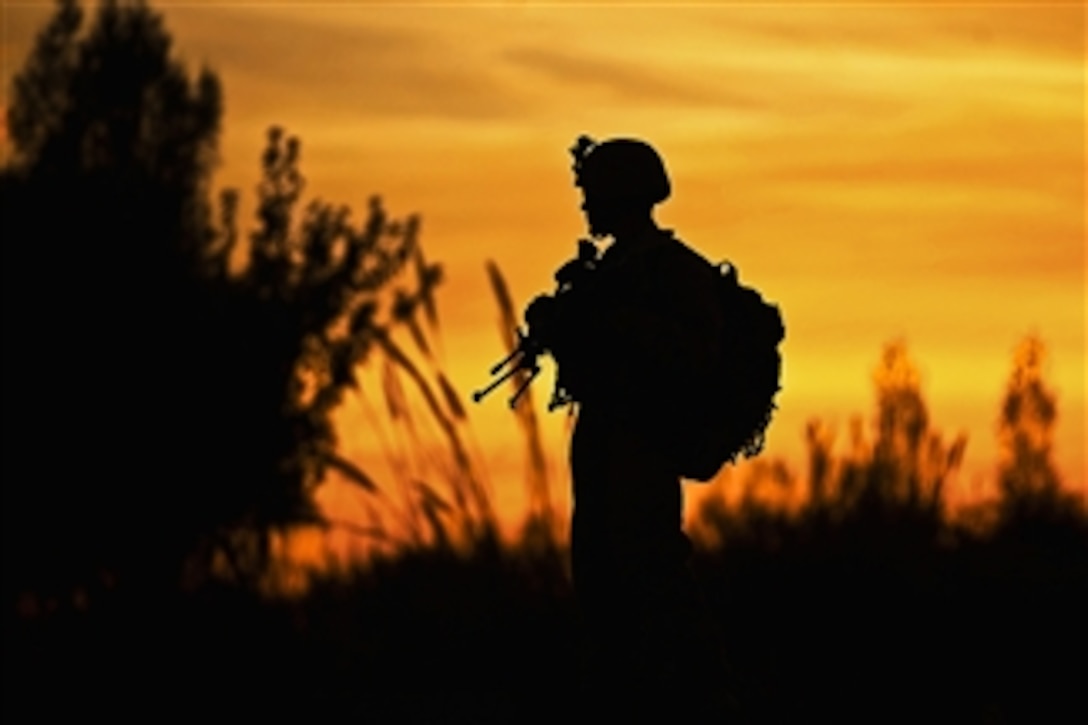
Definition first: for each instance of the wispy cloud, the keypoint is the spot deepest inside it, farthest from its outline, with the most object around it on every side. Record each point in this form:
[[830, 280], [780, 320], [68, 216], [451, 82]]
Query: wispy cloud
[[351, 65], [628, 81]]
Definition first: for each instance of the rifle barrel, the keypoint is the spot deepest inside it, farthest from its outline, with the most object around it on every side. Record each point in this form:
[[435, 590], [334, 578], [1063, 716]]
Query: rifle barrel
[[479, 394], [506, 360]]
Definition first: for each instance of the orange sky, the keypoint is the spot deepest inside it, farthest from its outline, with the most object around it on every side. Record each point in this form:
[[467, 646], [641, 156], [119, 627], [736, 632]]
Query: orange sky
[[879, 169]]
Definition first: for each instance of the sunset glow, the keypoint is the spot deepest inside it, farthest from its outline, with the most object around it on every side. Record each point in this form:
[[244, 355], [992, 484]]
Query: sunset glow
[[892, 170]]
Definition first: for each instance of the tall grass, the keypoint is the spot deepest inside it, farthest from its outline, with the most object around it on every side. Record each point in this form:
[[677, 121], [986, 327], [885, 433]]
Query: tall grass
[[543, 525], [442, 496]]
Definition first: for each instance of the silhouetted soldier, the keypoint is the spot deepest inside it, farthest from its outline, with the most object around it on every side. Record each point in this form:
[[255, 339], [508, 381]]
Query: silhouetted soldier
[[635, 339]]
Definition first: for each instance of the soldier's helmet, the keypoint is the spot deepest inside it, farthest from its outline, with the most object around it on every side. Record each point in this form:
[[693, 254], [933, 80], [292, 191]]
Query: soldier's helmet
[[622, 168]]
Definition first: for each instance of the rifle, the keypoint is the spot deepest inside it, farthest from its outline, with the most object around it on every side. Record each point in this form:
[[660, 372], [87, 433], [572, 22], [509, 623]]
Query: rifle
[[526, 354]]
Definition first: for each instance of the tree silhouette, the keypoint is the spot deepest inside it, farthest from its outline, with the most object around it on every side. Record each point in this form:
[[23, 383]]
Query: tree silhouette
[[903, 469], [908, 452], [162, 416], [1031, 489]]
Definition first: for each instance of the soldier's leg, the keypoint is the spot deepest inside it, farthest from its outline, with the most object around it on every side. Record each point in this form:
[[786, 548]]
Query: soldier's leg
[[643, 620], [592, 565], [644, 542], [671, 641]]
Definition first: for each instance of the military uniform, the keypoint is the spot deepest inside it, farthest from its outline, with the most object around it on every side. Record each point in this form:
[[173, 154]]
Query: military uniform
[[639, 340], [636, 337]]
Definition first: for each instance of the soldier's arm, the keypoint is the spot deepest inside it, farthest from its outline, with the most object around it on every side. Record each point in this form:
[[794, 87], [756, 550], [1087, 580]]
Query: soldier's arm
[[664, 339]]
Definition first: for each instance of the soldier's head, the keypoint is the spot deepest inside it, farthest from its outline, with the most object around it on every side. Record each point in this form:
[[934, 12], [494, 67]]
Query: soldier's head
[[621, 181]]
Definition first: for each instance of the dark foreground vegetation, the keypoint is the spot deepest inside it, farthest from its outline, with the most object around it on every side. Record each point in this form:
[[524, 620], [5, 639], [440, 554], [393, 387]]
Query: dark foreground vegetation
[[168, 393], [877, 616]]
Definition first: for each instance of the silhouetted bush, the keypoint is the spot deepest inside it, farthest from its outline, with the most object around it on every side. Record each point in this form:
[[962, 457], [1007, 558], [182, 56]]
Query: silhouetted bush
[[872, 602], [163, 415]]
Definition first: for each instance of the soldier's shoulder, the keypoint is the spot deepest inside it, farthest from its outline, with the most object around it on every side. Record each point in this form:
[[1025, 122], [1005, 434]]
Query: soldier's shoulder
[[684, 259]]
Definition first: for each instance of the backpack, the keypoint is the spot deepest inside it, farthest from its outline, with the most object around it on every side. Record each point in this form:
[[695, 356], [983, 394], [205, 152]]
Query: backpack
[[732, 418]]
